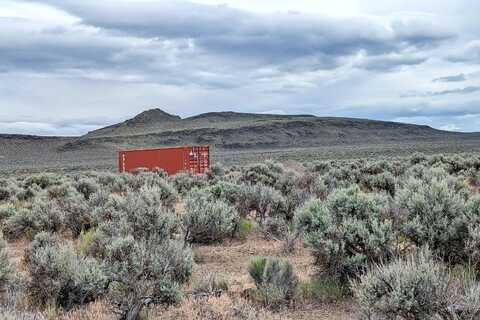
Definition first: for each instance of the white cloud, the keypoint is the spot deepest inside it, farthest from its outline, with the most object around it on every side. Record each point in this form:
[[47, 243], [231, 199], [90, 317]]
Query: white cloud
[[450, 127], [45, 129], [274, 111]]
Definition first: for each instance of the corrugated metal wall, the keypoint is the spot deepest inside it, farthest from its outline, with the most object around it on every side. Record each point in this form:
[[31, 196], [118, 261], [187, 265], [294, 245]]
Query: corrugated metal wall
[[173, 160]]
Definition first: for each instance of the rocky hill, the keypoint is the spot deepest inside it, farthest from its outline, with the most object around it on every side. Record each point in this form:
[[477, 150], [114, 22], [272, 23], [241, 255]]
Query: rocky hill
[[232, 136], [241, 131]]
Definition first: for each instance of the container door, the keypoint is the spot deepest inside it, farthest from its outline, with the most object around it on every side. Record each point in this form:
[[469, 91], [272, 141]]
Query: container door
[[204, 159], [198, 159], [193, 160]]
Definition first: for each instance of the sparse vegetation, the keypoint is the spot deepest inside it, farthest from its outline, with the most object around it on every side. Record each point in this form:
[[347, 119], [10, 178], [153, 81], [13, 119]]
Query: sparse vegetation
[[122, 242]]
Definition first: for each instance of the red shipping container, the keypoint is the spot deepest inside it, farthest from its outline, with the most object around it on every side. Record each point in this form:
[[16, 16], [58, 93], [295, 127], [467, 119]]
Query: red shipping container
[[195, 159]]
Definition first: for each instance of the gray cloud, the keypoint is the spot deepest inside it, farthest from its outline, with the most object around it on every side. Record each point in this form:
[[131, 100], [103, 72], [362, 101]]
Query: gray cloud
[[466, 90], [470, 53], [415, 110], [286, 40], [390, 62], [456, 78], [45, 128], [62, 61], [466, 123]]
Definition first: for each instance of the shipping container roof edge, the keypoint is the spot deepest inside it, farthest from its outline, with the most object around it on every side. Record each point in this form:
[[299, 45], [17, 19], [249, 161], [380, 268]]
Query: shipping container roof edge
[[164, 148]]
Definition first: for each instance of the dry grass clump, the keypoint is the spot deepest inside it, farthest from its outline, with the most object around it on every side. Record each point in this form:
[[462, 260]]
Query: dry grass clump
[[224, 307], [97, 310]]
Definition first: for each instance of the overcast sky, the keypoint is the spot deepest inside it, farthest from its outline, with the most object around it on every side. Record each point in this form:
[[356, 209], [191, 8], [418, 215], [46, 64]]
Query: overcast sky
[[71, 66]]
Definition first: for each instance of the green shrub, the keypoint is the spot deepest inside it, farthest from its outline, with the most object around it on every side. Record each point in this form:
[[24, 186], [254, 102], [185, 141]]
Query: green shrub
[[77, 213], [287, 182], [112, 182], [197, 256], [472, 246], [132, 234], [5, 267], [5, 193], [44, 215], [469, 308], [49, 217], [472, 208], [436, 217], [144, 273], [147, 179], [381, 182], [22, 224], [293, 201], [207, 220], [87, 187], [43, 181], [168, 194], [215, 172], [99, 199], [41, 240], [265, 200], [183, 182], [290, 240], [320, 166], [275, 281], [6, 211], [86, 241], [267, 173], [245, 227], [413, 288], [339, 178], [27, 193], [275, 228], [305, 181], [417, 158], [319, 189], [58, 275], [325, 290], [226, 191], [94, 241], [140, 214], [303, 221], [347, 232], [60, 191], [162, 192]]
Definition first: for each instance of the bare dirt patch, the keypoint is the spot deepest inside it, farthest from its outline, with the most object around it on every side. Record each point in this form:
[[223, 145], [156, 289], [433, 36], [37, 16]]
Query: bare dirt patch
[[16, 251], [229, 261]]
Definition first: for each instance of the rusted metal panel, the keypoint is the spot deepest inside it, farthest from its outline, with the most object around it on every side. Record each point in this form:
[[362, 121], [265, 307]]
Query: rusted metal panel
[[173, 160]]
